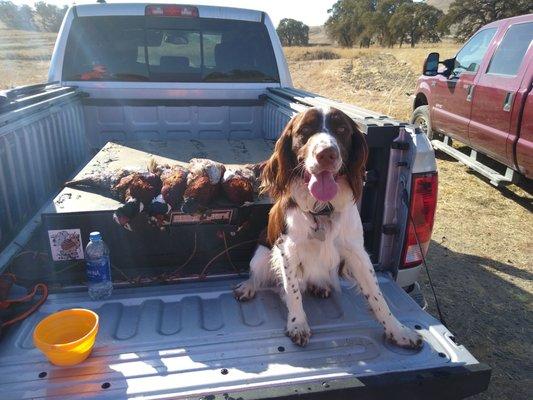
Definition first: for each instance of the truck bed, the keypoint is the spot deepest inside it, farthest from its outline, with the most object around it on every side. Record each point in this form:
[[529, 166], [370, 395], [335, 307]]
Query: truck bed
[[194, 340]]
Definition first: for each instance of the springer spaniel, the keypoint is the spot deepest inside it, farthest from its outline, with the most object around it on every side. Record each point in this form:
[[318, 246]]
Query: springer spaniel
[[315, 177]]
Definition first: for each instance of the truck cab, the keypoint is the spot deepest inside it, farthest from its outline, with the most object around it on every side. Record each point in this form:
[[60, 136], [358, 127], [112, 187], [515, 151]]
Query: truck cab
[[482, 97]]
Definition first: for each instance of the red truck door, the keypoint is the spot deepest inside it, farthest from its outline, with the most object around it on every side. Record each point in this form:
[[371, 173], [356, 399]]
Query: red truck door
[[495, 100], [453, 96], [524, 143]]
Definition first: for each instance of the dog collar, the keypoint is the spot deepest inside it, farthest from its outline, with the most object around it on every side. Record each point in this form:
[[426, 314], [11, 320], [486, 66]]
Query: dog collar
[[327, 210]]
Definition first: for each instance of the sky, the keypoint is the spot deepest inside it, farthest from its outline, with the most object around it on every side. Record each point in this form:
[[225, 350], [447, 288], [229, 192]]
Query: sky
[[311, 12]]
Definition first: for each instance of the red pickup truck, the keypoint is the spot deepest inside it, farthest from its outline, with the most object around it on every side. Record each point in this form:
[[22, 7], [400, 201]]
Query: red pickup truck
[[483, 98]]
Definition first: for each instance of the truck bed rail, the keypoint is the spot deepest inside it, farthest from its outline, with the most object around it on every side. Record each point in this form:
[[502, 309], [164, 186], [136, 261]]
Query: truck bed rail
[[42, 141]]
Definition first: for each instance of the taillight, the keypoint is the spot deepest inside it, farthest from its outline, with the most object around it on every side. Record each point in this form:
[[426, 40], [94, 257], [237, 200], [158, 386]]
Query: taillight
[[420, 220], [171, 11]]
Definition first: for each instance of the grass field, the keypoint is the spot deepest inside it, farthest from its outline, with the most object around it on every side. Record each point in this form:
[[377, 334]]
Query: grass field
[[482, 250], [24, 57], [376, 78]]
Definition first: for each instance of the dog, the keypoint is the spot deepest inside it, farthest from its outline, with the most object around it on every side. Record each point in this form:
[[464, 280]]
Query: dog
[[314, 233]]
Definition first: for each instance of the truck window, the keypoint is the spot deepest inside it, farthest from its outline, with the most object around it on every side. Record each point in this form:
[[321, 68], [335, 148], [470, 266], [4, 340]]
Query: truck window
[[510, 53], [133, 48], [469, 57]]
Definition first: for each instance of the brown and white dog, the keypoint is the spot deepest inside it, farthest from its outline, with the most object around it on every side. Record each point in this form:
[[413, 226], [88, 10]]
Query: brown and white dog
[[315, 177]]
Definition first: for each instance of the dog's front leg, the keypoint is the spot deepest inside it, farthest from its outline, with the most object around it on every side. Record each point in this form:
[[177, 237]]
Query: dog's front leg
[[361, 268], [285, 260]]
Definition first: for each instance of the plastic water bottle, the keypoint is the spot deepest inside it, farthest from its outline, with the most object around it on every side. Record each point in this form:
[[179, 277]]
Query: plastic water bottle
[[98, 267]]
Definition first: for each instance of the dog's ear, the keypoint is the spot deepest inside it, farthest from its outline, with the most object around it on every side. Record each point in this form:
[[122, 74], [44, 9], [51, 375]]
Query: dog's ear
[[276, 223], [357, 157], [277, 171]]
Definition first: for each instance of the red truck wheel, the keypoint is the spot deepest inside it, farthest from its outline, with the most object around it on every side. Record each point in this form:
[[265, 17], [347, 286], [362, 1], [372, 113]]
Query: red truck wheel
[[421, 118]]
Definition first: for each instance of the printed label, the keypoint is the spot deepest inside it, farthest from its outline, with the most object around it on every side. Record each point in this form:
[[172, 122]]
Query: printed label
[[213, 216], [66, 244], [98, 270]]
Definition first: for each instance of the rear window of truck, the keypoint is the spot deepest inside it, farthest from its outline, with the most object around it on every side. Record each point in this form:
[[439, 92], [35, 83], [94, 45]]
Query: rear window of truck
[[155, 49]]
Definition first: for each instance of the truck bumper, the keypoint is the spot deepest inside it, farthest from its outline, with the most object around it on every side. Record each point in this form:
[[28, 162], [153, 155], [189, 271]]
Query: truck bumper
[[446, 383]]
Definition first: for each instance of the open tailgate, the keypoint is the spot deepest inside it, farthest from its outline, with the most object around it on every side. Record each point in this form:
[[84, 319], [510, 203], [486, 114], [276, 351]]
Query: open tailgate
[[193, 340]]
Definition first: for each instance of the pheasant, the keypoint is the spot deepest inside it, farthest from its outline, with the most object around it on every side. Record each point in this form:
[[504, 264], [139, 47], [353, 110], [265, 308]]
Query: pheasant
[[174, 179], [238, 184], [113, 183], [174, 184], [203, 184], [140, 190]]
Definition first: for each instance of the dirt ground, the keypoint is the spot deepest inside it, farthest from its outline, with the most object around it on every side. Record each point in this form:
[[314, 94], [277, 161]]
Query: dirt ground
[[481, 255], [480, 261]]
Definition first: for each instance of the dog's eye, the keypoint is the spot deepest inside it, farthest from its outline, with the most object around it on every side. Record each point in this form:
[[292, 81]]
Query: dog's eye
[[341, 129], [305, 130]]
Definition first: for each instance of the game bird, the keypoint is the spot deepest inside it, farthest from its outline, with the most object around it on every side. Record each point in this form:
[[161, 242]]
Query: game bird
[[203, 184], [238, 184], [174, 180], [113, 183]]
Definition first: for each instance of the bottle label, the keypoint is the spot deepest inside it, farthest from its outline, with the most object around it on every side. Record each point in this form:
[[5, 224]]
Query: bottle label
[[98, 271]]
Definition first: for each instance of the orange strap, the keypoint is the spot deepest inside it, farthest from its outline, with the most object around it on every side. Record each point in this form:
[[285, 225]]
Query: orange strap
[[44, 295]]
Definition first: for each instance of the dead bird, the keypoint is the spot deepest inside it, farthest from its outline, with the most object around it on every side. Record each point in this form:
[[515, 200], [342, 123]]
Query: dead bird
[[145, 187], [174, 180], [127, 212], [238, 184], [203, 184], [158, 211], [113, 183]]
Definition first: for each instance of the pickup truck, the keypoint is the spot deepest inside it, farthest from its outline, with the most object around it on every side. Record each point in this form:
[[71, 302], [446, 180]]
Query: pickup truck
[[483, 98], [131, 82]]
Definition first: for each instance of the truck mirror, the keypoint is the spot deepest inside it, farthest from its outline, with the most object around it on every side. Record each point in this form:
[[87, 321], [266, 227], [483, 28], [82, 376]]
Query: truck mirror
[[431, 65]]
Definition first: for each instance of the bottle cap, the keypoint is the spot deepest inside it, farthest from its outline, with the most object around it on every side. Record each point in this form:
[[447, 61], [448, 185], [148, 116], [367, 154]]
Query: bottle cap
[[95, 236]]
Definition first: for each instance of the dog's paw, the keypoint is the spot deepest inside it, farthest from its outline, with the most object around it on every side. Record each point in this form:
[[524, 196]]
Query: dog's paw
[[405, 337], [244, 291], [299, 332], [322, 292]]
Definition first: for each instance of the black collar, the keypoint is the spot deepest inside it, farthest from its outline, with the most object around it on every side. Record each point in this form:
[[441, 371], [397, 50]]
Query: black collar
[[327, 210]]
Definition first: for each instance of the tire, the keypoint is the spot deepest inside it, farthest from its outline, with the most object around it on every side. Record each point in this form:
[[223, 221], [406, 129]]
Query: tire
[[421, 118]]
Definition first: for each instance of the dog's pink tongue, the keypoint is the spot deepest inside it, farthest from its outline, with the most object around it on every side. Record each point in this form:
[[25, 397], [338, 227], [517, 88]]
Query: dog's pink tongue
[[323, 186]]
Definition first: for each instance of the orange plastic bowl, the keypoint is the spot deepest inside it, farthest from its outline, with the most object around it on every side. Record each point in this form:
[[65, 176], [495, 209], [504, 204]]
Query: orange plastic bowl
[[67, 337]]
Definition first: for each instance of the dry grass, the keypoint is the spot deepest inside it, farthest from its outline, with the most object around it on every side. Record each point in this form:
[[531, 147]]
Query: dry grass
[[319, 54], [379, 79], [24, 57]]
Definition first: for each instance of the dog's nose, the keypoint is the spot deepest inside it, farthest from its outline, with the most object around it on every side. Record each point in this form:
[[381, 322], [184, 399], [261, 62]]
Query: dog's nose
[[327, 156]]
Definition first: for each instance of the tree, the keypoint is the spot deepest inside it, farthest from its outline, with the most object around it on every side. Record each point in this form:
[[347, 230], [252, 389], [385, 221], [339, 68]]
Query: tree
[[386, 22], [45, 17], [48, 16], [385, 10], [348, 22], [26, 18], [15, 17], [416, 22], [293, 33], [469, 16]]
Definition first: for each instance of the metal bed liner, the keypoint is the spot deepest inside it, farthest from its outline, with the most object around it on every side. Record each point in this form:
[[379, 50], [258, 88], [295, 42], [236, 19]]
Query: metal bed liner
[[193, 340]]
